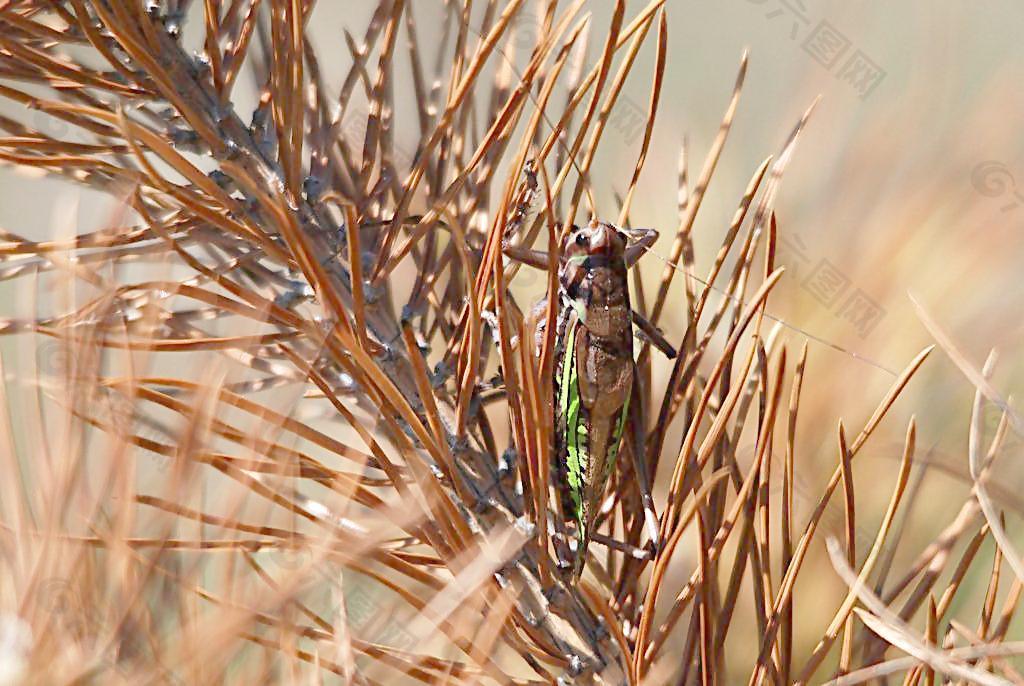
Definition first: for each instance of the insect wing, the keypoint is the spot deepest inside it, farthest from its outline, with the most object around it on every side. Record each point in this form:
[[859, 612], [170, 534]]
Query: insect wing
[[581, 474]]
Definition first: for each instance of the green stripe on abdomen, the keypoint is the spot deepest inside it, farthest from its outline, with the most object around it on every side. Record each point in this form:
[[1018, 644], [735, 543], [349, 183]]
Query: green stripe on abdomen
[[569, 401]]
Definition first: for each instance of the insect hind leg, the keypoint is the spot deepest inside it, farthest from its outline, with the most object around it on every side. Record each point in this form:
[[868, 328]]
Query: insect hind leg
[[622, 546], [651, 521]]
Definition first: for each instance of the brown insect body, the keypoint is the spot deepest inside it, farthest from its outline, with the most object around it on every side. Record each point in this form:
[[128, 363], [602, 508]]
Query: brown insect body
[[595, 335]]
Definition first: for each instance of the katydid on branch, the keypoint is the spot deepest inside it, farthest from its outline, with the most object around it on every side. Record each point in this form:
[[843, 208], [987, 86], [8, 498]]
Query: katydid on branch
[[596, 395]]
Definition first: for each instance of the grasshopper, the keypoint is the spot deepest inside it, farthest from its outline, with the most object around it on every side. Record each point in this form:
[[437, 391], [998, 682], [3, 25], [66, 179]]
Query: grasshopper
[[596, 396]]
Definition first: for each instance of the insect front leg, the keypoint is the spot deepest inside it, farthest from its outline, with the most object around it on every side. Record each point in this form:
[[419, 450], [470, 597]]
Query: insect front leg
[[640, 240], [656, 338], [537, 259]]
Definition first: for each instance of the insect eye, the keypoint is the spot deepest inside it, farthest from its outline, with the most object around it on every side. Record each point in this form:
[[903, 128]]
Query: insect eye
[[581, 239]]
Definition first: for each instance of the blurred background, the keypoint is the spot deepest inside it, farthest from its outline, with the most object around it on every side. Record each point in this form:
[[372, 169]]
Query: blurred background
[[908, 181]]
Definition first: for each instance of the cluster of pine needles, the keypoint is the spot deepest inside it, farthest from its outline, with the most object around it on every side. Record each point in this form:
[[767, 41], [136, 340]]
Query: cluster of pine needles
[[282, 425]]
